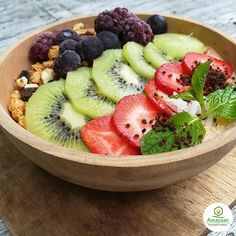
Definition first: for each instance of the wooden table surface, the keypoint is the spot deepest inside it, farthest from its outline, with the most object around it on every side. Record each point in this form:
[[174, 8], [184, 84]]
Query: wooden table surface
[[22, 16]]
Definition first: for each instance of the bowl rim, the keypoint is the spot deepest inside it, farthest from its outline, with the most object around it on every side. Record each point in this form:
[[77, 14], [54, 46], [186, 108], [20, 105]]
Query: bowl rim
[[11, 127]]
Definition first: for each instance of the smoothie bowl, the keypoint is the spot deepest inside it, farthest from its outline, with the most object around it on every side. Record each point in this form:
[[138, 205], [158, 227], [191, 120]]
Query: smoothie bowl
[[121, 101]]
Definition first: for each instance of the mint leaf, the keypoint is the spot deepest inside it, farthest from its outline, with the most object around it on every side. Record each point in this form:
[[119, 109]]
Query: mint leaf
[[222, 103], [181, 131], [198, 82], [186, 95]]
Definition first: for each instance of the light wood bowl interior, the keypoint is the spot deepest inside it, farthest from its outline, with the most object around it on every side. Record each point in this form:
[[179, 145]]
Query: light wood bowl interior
[[130, 173]]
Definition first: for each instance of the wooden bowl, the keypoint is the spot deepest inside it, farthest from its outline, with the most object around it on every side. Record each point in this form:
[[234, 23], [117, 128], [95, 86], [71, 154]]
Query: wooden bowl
[[124, 173]]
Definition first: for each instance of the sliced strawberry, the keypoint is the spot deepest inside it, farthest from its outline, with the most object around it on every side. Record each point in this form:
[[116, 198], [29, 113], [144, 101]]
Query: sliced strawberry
[[192, 59], [168, 78], [134, 116], [101, 137], [158, 97]]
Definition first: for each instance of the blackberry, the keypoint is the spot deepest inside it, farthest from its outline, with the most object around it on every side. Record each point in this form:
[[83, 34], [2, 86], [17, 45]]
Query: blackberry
[[67, 61], [114, 20], [41, 46], [125, 25], [137, 30], [89, 48]]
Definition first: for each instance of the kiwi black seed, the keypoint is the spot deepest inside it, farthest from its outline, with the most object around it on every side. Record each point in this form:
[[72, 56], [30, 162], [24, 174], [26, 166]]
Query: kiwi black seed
[[114, 77], [50, 116], [121, 80], [84, 95]]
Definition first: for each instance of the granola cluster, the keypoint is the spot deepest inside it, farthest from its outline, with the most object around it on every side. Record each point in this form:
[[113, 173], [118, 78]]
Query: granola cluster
[[28, 82], [39, 73], [17, 108], [82, 31]]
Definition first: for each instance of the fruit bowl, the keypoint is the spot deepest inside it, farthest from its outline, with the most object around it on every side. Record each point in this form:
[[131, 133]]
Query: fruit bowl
[[104, 172]]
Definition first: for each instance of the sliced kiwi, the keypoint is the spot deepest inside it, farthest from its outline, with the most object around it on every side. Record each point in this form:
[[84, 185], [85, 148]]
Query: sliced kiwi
[[49, 115], [177, 45], [133, 53], [155, 56], [82, 92], [114, 77]]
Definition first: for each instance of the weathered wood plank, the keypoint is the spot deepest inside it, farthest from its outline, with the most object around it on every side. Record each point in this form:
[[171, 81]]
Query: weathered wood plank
[[20, 17]]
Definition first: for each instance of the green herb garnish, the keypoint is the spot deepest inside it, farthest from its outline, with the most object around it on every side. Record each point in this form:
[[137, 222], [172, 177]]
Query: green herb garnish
[[222, 103], [180, 131], [198, 83]]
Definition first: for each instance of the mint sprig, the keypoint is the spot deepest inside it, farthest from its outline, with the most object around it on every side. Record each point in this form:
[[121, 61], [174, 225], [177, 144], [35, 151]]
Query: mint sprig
[[198, 83], [181, 131], [189, 131], [222, 103]]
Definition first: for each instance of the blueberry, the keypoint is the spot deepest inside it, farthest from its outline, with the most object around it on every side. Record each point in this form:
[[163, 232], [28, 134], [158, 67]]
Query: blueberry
[[24, 73], [89, 48], [109, 40], [66, 34], [69, 44], [158, 24], [67, 61]]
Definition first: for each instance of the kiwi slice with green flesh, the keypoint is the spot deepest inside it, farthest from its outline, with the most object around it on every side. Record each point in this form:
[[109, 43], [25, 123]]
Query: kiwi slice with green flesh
[[133, 53], [155, 56], [114, 77], [177, 45], [83, 95], [50, 116]]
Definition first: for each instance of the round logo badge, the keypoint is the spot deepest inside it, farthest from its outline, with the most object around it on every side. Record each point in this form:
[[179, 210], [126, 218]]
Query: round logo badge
[[218, 217]]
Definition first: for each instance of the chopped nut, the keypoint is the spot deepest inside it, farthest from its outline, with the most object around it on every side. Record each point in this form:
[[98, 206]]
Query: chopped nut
[[47, 64], [79, 28], [31, 86], [86, 32], [38, 67], [21, 82], [47, 75], [53, 52], [35, 78]]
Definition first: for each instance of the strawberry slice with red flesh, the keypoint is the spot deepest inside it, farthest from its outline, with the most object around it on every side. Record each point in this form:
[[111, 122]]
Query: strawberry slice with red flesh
[[169, 76], [101, 138], [192, 59], [134, 116], [158, 97]]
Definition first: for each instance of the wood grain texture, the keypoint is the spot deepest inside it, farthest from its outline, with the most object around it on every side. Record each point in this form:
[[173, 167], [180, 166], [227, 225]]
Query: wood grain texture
[[133, 173], [14, 22], [21, 16], [34, 202]]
